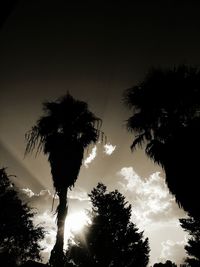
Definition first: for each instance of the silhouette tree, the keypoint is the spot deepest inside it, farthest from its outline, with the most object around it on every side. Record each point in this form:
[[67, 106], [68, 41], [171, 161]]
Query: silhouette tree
[[19, 238], [111, 239], [166, 121], [192, 226], [66, 129], [166, 264]]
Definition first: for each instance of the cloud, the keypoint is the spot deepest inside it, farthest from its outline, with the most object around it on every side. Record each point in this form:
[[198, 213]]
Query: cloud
[[78, 194], [150, 197], [47, 219], [28, 192], [173, 251], [109, 149], [41, 201], [91, 157], [154, 210]]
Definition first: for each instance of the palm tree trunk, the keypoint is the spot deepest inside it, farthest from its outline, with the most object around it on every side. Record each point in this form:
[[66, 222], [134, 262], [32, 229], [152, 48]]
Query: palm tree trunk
[[57, 255]]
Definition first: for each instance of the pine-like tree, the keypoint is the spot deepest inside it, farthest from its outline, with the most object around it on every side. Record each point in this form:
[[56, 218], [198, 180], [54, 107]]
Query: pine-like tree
[[192, 226], [19, 238], [111, 239]]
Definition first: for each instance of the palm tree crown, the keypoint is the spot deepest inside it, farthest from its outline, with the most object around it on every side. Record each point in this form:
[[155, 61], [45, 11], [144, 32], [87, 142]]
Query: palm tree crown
[[62, 133], [166, 120], [163, 104]]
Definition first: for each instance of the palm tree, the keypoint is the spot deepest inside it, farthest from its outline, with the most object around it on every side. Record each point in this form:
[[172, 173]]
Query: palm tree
[[66, 129], [166, 121]]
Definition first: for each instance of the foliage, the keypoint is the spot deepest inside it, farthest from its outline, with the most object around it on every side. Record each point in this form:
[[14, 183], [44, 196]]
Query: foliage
[[111, 239], [166, 264], [192, 226], [63, 133], [19, 238], [166, 121]]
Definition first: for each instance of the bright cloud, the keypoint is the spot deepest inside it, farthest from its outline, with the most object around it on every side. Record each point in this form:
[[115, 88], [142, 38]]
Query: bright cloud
[[48, 220], [173, 251], [109, 149], [154, 210], [28, 192], [79, 194], [150, 197], [91, 157]]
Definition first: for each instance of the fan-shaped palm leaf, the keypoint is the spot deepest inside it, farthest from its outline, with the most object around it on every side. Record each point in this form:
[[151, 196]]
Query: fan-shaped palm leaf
[[166, 120]]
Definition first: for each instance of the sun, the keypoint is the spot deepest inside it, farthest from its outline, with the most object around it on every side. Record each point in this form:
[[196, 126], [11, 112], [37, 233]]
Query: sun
[[75, 222]]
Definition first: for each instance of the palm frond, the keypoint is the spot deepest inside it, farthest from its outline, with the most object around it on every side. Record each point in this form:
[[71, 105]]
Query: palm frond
[[138, 141], [155, 150], [34, 140]]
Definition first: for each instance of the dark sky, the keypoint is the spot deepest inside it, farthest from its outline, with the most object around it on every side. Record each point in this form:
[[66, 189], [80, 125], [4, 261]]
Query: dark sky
[[95, 53]]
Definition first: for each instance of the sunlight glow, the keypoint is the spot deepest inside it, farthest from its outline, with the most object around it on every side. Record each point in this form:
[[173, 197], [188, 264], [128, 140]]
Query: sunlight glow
[[76, 221]]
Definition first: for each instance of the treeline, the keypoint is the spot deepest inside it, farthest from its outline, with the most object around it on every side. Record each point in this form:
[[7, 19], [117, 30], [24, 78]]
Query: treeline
[[109, 239]]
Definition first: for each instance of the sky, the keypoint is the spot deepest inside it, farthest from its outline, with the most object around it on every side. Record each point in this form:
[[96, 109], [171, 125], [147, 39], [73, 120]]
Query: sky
[[48, 48]]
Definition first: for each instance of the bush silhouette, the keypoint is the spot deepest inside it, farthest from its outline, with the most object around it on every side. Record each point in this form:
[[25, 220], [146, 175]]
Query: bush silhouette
[[19, 238]]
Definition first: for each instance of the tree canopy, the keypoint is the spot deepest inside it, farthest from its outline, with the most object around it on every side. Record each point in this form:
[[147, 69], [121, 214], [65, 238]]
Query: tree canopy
[[111, 239], [19, 237], [166, 121]]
